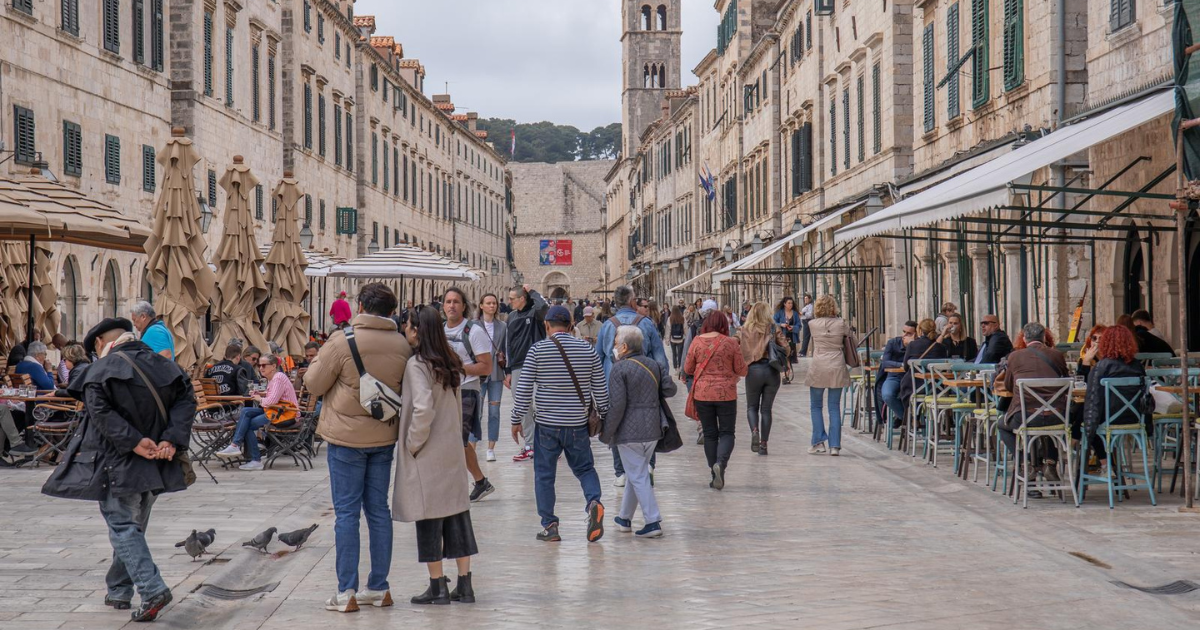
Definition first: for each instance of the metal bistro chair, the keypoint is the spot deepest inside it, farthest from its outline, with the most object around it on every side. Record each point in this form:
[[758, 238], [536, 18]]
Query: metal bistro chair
[[54, 424], [213, 427], [1046, 392], [984, 420], [1168, 427], [1116, 439], [918, 370], [1175, 362], [1148, 358], [943, 406], [290, 441]]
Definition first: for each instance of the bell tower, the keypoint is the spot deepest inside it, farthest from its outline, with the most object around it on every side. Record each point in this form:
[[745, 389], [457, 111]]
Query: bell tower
[[650, 59]]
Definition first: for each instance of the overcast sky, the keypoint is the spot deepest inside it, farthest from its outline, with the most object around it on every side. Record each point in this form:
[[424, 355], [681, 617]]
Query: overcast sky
[[529, 60]]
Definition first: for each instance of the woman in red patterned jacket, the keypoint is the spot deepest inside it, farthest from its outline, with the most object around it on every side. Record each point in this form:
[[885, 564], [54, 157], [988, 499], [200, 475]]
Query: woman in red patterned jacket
[[715, 361]]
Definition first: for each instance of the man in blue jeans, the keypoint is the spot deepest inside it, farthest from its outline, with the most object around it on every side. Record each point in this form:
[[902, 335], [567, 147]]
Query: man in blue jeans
[[628, 315], [889, 382], [361, 448], [565, 377]]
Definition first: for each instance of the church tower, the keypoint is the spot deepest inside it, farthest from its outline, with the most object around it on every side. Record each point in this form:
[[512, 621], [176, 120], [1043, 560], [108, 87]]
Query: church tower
[[650, 57]]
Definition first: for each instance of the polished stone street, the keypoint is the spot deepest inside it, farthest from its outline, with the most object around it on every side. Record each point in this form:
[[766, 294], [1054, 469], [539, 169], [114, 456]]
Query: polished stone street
[[868, 540]]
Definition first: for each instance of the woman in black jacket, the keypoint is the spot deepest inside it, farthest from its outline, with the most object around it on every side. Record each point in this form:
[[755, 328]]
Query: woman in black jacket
[[1116, 355], [77, 361], [925, 346]]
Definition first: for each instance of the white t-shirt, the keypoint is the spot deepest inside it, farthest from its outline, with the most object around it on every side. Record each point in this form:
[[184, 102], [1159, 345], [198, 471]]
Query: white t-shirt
[[480, 344]]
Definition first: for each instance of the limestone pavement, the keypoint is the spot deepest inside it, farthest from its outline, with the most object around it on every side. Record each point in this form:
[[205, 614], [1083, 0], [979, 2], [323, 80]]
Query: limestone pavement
[[872, 539]]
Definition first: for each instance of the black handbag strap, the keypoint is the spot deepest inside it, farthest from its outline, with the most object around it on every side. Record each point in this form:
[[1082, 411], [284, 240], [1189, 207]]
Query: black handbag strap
[[162, 409], [362, 370], [571, 371]]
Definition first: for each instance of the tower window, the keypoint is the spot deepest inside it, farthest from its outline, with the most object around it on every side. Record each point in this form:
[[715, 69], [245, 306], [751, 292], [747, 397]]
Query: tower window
[[646, 17], [662, 17]]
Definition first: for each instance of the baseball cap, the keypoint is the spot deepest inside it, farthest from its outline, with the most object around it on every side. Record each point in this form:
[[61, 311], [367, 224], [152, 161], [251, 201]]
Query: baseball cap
[[587, 311], [558, 314]]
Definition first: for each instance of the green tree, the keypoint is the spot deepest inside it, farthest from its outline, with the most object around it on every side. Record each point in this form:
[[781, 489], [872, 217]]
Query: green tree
[[548, 142]]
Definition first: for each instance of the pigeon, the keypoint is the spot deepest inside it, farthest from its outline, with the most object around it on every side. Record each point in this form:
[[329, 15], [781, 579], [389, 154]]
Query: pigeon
[[297, 538], [261, 541], [207, 538], [192, 545]]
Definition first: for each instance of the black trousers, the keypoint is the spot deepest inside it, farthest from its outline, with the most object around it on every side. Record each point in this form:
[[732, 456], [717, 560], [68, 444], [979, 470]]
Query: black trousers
[[677, 355], [762, 384], [718, 419]]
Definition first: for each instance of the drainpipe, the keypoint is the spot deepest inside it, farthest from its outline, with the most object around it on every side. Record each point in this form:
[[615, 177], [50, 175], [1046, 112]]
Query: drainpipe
[[1058, 281]]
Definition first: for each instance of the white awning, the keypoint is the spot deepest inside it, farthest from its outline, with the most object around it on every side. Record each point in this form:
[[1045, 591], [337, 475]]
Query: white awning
[[726, 272], [986, 186], [405, 261], [319, 263], [688, 286]]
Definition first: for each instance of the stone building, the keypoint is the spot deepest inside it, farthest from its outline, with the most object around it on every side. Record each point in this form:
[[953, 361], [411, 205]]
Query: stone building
[[558, 216], [302, 85]]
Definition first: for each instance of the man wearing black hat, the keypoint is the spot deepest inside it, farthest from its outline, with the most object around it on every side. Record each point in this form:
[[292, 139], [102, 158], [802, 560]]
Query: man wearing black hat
[[139, 412]]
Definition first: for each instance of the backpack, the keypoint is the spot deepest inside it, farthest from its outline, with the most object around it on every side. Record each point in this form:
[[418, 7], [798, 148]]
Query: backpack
[[466, 341], [676, 333], [377, 399]]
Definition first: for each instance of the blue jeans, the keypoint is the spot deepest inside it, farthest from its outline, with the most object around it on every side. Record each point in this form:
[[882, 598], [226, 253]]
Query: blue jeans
[[253, 419], [891, 397], [548, 444], [493, 391], [359, 479], [132, 565], [816, 396]]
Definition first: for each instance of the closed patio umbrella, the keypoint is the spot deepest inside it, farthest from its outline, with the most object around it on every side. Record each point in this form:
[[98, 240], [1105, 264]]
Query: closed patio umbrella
[[176, 247], [286, 321], [240, 284]]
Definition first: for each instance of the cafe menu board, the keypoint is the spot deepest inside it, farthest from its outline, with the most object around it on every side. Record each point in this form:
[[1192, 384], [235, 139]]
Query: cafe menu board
[[555, 252]]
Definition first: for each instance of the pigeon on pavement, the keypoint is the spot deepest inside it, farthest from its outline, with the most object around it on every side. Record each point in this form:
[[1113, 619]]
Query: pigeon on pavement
[[192, 546], [261, 541], [207, 538], [297, 538]]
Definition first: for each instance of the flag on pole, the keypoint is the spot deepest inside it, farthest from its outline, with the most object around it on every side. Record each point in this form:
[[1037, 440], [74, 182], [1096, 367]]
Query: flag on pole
[[708, 183], [512, 152]]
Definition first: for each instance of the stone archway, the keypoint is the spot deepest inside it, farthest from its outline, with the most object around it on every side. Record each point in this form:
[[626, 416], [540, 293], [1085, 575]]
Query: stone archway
[[557, 285]]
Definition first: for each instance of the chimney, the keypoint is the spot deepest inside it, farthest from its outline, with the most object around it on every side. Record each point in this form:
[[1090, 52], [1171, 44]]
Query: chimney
[[473, 121]]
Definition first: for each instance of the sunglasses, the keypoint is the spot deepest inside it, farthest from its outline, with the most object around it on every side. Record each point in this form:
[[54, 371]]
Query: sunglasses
[[263, 365], [989, 323]]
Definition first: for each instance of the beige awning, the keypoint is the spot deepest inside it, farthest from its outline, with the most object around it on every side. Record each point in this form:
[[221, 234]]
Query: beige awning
[[31, 205]]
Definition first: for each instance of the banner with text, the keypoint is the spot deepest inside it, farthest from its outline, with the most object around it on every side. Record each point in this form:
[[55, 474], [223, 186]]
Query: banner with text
[[555, 252]]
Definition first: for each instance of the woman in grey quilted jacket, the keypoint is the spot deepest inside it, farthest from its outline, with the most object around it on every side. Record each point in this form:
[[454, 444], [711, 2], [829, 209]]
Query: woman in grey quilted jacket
[[634, 425]]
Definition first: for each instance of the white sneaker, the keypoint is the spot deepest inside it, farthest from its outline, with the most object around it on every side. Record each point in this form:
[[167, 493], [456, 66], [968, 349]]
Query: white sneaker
[[252, 465], [491, 455], [342, 602], [816, 449], [834, 452], [378, 599], [619, 482], [229, 452]]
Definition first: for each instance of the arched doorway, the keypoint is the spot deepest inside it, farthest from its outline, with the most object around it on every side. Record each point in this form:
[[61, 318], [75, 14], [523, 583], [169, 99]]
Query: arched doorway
[[1134, 272], [112, 291], [557, 285], [68, 298]]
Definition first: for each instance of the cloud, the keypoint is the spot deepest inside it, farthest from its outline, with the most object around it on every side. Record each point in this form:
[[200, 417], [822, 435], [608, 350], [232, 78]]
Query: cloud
[[529, 60]]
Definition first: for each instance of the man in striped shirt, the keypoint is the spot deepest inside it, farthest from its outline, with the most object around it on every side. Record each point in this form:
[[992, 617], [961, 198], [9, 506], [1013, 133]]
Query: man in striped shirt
[[561, 417]]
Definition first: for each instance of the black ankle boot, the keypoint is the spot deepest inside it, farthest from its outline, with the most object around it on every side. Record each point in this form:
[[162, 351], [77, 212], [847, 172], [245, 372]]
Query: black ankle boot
[[438, 592], [463, 592]]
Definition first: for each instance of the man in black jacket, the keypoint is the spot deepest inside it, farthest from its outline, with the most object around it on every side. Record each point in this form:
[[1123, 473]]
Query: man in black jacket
[[1148, 339], [526, 326], [996, 344], [127, 454]]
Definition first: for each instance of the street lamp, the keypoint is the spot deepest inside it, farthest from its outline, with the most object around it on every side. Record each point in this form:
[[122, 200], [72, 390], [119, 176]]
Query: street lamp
[[206, 214], [728, 252], [757, 244], [373, 247], [306, 236], [687, 264], [666, 267], [495, 268], [797, 225], [708, 259]]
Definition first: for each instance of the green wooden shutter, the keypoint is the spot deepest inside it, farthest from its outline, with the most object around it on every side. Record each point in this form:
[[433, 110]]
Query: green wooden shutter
[[156, 34], [70, 15], [321, 125], [308, 114], [258, 202], [212, 189], [307, 17], [229, 66], [139, 27], [877, 108], [395, 170], [72, 149], [274, 208], [24, 131], [321, 216], [255, 105], [320, 28], [980, 92], [271, 91], [112, 159], [1014, 44], [349, 142], [806, 157], [208, 53], [374, 159], [833, 137], [1122, 13], [862, 124], [386, 168], [337, 134], [404, 170], [927, 79], [308, 210], [347, 221], [24, 6], [148, 168], [337, 45], [112, 26], [953, 108]]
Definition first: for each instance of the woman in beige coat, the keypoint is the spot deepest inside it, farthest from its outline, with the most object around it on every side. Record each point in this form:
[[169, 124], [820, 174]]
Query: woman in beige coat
[[828, 371], [430, 486]]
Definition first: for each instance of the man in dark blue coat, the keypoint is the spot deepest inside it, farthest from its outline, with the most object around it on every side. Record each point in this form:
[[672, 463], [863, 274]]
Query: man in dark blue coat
[[887, 384]]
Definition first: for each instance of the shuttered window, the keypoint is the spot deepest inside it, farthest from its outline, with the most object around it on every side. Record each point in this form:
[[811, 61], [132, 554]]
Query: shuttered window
[[70, 15], [1121, 13], [927, 81], [274, 208], [337, 45], [980, 92], [139, 28], [212, 189], [208, 53], [24, 6], [386, 168], [308, 115], [953, 109], [24, 132], [862, 124], [320, 28], [255, 105], [805, 143], [112, 26], [395, 170], [877, 108], [258, 202], [337, 134], [1014, 43], [347, 221], [832, 137], [321, 125], [156, 34], [374, 159], [148, 168], [846, 127], [349, 142], [307, 17], [307, 209], [229, 66], [271, 91], [405, 173], [72, 149], [321, 216], [112, 159]]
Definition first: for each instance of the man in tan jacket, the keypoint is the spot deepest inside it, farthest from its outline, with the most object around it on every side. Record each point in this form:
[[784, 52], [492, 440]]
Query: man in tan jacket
[[361, 448]]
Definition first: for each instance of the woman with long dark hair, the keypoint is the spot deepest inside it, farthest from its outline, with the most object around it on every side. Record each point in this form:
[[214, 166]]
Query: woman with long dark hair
[[493, 385], [678, 326], [716, 363], [788, 318], [430, 466]]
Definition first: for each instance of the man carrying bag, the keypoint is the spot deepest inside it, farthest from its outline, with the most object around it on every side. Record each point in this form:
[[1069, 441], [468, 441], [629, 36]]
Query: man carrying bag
[[131, 446]]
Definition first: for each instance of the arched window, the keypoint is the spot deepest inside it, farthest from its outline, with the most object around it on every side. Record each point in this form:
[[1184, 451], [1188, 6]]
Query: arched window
[[646, 76], [662, 75], [112, 290], [662, 17], [69, 298], [1135, 271], [647, 24]]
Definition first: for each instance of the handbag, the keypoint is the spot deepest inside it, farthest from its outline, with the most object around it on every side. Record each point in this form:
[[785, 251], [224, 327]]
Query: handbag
[[850, 351], [595, 422], [380, 401], [690, 408], [777, 354], [181, 455]]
